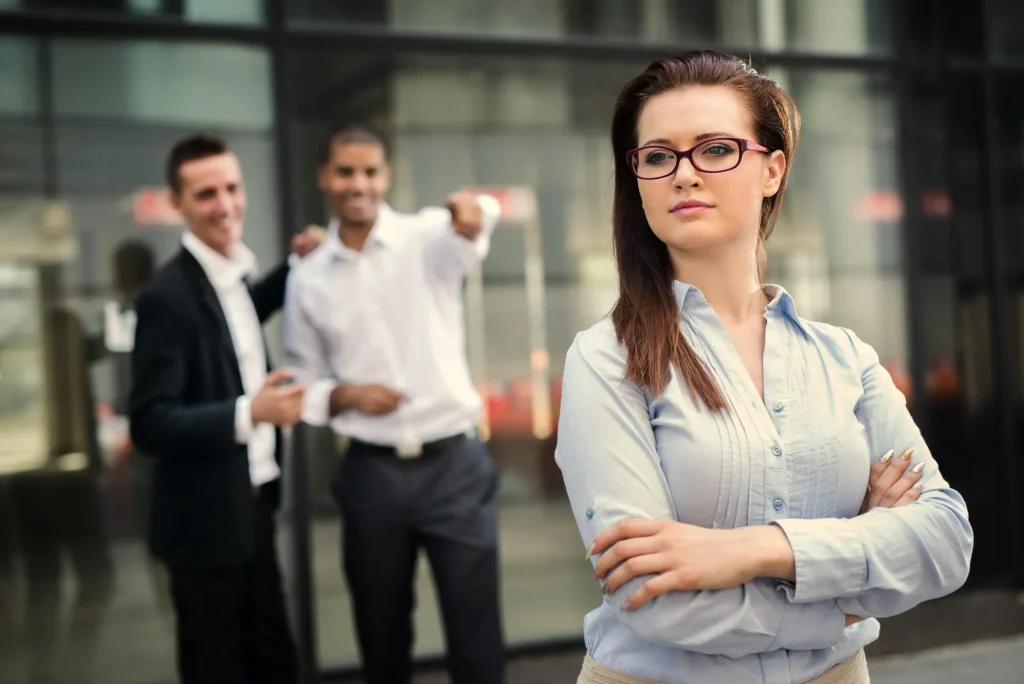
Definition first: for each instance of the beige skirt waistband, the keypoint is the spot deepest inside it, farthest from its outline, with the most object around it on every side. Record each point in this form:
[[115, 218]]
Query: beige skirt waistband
[[592, 673], [853, 670]]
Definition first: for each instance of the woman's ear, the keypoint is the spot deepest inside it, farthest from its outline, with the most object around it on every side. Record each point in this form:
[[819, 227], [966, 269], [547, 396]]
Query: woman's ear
[[774, 171]]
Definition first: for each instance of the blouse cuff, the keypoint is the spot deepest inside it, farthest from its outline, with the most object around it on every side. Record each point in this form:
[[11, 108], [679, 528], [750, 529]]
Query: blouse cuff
[[830, 560]]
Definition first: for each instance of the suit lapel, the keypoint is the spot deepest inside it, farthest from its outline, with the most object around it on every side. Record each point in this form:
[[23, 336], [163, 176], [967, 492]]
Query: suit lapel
[[214, 314]]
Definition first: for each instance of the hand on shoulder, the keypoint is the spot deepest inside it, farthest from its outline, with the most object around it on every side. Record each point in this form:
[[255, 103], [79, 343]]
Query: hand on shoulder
[[308, 240]]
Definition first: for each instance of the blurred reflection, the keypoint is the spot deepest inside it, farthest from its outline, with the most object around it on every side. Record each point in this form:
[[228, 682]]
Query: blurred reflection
[[133, 267], [58, 517], [952, 371], [112, 108], [130, 474], [53, 519]]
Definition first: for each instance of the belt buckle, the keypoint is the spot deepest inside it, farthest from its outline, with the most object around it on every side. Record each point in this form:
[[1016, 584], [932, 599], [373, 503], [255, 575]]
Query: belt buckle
[[409, 450]]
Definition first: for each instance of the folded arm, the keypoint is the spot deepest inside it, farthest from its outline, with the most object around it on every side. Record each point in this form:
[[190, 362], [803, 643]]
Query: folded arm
[[161, 423], [612, 471], [885, 561]]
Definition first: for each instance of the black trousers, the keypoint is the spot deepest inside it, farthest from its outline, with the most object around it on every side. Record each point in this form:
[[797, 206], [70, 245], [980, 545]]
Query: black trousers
[[442, 502], [232, 622]]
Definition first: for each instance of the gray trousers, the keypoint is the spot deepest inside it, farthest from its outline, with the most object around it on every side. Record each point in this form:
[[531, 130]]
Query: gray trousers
[[442, 502]]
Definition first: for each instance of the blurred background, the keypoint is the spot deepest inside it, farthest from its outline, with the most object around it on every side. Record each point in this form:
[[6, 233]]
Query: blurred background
[[904, 221]]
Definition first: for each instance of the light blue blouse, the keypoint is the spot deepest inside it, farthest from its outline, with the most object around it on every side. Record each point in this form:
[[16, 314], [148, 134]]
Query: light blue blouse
[[799, 460]]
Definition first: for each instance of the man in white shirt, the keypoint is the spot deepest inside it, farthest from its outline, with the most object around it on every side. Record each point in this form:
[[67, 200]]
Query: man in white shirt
[[374, 322], [206, 405]]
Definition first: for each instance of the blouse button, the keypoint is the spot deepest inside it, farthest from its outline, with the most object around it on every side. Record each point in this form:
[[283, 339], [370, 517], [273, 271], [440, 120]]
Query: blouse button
[[777, 408], [777, 450], [590, 513], [778, 504]]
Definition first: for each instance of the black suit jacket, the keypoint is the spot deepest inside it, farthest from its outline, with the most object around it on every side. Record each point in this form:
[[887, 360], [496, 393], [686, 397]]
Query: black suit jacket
[[186, 381]]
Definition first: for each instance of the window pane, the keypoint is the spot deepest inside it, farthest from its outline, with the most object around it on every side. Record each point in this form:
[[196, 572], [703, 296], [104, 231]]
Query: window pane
[[21, 363], [210, 11], [932, 28], [21, 156], [157, 82], [1007, 27], [843, 26], [952, 381], [86, 601], [1010, 155], [838, 245], [18, 76]]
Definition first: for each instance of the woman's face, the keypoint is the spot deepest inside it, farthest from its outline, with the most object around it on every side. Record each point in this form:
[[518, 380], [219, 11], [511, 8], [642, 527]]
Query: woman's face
[[692, 211]]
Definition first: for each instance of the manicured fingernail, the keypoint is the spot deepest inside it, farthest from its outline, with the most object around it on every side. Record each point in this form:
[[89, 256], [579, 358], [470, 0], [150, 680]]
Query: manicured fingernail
[[907, 454], [604, 589], [590, 551], [886, 456], [918, 468], [917, 486], [625, 606]]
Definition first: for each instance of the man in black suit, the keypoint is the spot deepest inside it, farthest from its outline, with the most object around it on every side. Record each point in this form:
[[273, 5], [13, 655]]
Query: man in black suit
[[206, 405]]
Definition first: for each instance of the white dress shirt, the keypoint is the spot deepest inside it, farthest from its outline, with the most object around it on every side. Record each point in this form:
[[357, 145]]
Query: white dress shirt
[[226, 276], [392, 315]]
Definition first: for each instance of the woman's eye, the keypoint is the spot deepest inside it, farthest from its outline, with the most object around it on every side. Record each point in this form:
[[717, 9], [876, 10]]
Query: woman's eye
[[656, 158], [718, 150]]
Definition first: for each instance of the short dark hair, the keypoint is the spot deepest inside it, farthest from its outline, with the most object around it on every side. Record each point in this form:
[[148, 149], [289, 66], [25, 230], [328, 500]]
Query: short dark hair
[[189, 149], [348, 134]]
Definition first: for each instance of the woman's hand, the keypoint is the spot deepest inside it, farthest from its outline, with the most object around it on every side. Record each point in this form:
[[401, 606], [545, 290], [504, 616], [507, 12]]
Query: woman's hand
[[892, 483], [687, 557]]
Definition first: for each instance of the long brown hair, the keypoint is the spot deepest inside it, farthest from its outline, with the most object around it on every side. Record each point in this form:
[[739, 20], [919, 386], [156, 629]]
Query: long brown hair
[[646, 315]]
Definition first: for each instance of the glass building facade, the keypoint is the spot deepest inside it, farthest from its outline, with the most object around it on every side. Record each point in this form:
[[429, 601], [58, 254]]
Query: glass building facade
[[900, 223]]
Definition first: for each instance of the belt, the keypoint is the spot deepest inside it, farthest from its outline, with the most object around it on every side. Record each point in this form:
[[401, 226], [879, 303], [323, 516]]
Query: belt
[[410, 451]]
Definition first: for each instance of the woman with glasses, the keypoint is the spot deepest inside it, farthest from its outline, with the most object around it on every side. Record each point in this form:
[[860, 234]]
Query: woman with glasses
[[716, 447]]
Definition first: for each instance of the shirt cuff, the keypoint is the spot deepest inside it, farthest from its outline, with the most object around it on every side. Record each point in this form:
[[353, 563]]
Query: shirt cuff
[[491, 208], [316, 403], [830, 560], [808, 626], [243, 419]]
